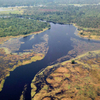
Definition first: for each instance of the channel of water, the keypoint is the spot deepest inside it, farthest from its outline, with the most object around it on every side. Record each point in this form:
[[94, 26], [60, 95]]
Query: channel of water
[[59, 45]]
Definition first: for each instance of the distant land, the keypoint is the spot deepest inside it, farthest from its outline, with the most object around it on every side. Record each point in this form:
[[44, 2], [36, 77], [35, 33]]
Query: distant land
[[7, 3]]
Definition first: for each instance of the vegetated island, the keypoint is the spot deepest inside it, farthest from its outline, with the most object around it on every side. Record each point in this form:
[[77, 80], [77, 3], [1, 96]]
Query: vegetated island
[[77, 79]]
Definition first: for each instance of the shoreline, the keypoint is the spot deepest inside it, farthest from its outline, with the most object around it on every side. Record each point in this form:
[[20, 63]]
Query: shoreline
[[30, 61], [37, 57], [54, 67], [77, 33], [4, 39]]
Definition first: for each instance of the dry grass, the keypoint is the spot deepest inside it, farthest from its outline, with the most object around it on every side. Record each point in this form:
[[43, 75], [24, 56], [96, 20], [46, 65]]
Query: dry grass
[[79, 81], [88, 32], [9, 62]]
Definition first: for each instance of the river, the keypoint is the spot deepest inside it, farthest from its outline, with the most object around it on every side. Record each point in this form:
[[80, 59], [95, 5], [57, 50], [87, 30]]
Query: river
[[59, 43]]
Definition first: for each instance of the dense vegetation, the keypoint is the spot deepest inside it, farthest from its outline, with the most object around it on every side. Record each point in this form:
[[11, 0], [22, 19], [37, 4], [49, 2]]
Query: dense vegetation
[[44, 2], [17, 26], [82, 85], [86, 16]]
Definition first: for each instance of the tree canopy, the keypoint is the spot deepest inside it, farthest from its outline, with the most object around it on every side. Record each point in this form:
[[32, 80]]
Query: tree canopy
[[18, 26], [7, 3]]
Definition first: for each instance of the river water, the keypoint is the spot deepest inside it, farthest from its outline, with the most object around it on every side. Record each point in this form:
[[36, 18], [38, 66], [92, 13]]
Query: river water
[[59, 43]]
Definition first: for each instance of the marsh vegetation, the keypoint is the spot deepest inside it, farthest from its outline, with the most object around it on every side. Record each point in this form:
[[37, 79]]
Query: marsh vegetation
[[75, 79], [69, 81]]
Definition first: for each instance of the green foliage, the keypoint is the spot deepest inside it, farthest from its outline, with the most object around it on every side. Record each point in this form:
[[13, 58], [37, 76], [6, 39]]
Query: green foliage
[[81, 33], [85, 16], [44, 2], [73, 61], [68, 86], [17, 26]]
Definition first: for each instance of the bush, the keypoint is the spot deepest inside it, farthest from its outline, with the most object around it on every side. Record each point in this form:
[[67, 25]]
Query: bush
[[73, 62], [81, 33]]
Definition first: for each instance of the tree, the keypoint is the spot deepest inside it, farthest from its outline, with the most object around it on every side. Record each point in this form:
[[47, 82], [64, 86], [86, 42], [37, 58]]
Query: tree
[[73, 61]]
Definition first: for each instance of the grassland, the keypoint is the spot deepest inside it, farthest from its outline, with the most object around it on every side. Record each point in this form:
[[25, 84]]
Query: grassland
[[8, 62], [67, 81], [89, 33], [12, 10]]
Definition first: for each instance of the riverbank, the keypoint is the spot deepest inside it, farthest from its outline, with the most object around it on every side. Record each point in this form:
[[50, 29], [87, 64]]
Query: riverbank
[[80, 80], [88, 33], [10, 61], [16, 61], [3, 39], [58, 47]]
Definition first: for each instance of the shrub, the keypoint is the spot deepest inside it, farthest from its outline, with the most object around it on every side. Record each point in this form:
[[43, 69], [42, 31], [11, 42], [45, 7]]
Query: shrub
[[81, 33], [73, 62]]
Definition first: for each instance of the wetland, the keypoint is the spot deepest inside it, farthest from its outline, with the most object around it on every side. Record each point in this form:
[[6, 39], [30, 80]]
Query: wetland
[[43, 60], [55, 45]]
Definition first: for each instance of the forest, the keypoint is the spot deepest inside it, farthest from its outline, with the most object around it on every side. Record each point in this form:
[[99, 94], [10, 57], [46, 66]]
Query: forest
[[81, 79], [6, 3], [87, 17], [18, 26]]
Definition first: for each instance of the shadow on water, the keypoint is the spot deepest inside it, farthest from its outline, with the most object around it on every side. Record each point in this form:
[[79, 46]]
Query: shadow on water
[[59, 44]]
